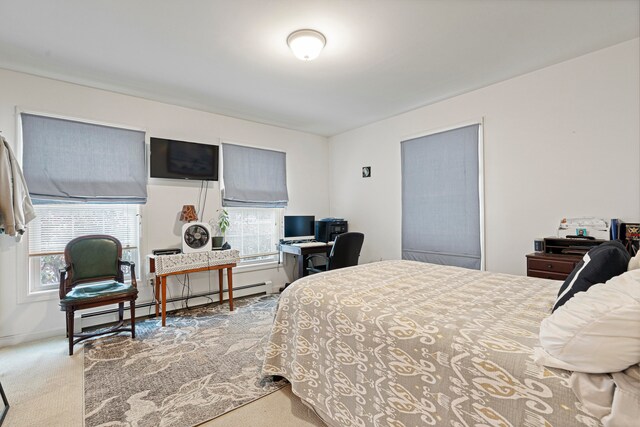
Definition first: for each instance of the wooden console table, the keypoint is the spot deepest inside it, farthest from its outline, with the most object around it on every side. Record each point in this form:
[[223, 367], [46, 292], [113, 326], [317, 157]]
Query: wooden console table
[[160, 283]]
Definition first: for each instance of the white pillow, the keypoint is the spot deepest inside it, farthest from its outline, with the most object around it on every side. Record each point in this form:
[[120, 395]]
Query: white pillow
[[596, 331], [634, 263]]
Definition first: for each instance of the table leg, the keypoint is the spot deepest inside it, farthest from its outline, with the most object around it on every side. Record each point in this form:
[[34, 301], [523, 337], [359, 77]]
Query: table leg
[[220, 284], [300, 261], [164, 300], [156, 283], [230, 288]]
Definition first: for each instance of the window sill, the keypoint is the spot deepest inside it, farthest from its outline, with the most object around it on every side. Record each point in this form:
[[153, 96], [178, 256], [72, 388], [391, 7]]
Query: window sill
[[247, 267], [51, 294]]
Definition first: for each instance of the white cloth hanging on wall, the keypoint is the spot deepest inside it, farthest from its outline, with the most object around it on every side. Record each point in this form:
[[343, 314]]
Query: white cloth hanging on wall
[[16, 209]]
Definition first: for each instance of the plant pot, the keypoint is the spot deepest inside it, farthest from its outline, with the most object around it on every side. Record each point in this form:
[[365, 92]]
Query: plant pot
[[218, 241]]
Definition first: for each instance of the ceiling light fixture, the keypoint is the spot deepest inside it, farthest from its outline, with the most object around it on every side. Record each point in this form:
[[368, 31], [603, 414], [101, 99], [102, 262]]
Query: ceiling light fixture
[[306, 44]]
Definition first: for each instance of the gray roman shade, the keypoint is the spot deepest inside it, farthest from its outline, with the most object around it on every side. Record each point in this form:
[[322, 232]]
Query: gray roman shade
[[441, 198], [253, 177], [70, 161]]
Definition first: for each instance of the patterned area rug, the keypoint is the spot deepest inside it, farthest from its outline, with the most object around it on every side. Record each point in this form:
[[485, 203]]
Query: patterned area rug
[[204, 363]]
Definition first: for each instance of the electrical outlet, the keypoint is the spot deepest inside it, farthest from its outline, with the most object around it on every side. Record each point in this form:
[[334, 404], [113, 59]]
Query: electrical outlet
[[269, 288]]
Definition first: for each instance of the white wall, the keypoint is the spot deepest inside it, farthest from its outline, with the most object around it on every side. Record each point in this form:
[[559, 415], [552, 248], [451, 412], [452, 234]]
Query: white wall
[[307, 167], [559, 142], [562, 141]]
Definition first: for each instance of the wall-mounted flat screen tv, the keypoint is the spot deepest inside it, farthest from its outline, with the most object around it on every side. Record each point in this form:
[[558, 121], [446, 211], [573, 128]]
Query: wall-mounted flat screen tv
[[183, 160]]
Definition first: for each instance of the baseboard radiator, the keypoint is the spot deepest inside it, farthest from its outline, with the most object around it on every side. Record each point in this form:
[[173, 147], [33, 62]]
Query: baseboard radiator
[[176, 299]]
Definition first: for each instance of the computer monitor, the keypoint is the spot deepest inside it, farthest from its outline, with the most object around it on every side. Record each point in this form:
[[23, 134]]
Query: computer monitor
[[299, 227]]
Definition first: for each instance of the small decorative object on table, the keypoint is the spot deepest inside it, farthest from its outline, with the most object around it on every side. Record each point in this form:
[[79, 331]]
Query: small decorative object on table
[[223, 224], [538, 245], [188, 213]]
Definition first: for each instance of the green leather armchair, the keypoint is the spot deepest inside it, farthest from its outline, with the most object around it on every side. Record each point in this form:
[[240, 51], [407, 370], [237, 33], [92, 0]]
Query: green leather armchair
[[93, 277]]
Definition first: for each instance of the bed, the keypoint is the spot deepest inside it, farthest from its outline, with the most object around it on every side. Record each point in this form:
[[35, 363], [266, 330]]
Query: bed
[[403, 343]]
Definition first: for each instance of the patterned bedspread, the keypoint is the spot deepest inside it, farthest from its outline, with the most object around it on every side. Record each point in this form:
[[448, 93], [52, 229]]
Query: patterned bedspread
[[403, 343]]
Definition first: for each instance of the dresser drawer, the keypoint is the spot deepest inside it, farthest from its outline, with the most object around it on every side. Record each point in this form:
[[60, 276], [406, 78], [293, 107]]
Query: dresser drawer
[[547, 275], [550, 265]]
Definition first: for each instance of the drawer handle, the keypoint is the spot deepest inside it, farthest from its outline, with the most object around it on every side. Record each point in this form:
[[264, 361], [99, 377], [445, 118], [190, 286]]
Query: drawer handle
[[549, 266]]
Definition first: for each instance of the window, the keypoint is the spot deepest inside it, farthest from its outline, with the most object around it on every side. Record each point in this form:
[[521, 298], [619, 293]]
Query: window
[[255, 232], [254, 192], [442, 198], [65, 162], [57, 224]]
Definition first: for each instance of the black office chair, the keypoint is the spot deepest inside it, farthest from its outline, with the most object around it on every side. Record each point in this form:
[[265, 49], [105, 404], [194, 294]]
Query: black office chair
[[345, 253]]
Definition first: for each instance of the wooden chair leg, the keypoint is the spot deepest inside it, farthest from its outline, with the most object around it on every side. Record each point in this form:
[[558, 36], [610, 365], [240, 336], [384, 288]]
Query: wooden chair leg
[[121, 311], [132, 304], [70, 330]]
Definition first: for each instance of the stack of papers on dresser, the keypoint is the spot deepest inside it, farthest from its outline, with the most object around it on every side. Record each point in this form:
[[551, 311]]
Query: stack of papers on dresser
[[596, 228]]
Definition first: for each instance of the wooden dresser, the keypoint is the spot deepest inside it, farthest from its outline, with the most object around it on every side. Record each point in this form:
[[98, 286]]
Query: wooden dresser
[[551, 266]]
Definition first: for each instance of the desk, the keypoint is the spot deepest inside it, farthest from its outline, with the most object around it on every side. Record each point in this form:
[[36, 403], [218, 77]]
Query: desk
[[302, 253], [161, 283]]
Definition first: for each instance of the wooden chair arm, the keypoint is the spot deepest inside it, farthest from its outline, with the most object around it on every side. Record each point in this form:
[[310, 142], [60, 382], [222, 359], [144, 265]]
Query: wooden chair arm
[[132, 266], [63, 279]]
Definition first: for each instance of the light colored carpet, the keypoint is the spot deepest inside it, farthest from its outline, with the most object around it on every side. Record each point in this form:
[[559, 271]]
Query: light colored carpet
[[43, 384], [45, 388]]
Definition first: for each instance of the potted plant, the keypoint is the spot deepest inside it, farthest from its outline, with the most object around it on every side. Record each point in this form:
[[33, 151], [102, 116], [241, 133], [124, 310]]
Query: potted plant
[[223, 225]]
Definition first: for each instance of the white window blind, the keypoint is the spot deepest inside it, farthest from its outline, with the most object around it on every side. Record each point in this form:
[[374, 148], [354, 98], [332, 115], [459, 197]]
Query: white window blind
[[253, 177], [56, 225]]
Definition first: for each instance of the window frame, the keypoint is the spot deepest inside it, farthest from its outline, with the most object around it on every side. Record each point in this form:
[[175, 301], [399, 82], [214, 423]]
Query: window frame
[[33, 265], [481, 168], [23, 264]]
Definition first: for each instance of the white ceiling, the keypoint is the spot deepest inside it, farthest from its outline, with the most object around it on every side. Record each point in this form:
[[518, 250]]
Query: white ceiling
[[383, 57]]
